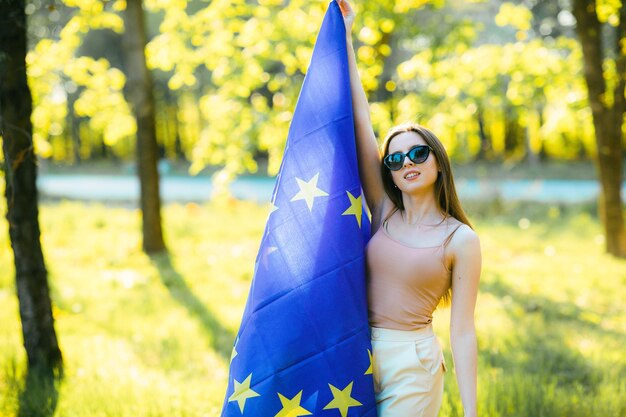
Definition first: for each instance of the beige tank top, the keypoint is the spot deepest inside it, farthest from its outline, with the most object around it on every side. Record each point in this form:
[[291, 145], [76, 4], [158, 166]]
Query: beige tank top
[[406, 283]]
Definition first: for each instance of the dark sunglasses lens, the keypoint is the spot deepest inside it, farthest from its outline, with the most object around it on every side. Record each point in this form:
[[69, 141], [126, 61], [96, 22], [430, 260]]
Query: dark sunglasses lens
[[419, 154], [394, 161]]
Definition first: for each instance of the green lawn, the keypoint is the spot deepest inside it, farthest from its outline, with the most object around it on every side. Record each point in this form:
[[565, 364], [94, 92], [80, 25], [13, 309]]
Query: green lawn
[[152, 337]]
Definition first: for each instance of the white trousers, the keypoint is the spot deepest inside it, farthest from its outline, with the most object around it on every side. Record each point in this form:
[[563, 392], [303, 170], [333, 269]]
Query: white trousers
[[408, 372]]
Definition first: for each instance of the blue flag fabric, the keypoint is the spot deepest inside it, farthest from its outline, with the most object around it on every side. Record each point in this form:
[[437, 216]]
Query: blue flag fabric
[[303, 347]]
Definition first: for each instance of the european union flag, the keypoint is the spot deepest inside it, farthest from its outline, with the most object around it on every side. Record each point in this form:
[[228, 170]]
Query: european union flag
[[303, 347]]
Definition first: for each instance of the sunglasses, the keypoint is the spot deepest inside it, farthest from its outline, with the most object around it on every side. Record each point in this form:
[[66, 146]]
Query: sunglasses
[[418, 154]]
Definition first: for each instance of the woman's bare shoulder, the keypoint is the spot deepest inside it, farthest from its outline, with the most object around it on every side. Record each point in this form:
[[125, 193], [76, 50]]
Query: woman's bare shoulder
[[463, 238]]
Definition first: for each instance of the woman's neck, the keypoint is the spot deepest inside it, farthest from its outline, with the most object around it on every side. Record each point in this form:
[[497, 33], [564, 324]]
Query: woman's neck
[[422, 210]]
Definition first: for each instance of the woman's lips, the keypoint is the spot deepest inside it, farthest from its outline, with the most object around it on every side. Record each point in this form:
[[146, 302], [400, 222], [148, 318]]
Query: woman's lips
[[411, 175]]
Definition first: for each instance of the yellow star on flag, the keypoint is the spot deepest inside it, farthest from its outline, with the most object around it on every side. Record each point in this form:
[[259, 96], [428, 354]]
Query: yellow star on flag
[[243, 392], [356, 208], [233, 354], [308, 191], [342, 399], [370, 370], [292, 407]]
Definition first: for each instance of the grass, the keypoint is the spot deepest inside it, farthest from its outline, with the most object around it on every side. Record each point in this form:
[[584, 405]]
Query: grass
[[148, 336]]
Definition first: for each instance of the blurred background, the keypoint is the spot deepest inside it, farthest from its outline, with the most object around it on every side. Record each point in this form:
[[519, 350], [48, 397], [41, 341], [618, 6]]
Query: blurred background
[[139, 160]]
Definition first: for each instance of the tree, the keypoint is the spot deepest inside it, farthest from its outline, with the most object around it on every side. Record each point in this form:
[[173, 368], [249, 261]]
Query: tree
[[40, 340], [606, 97], [229, 73], [139, 90]]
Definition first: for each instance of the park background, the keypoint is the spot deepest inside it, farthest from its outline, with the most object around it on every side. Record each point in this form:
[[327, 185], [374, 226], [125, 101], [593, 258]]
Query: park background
[[146, 307]]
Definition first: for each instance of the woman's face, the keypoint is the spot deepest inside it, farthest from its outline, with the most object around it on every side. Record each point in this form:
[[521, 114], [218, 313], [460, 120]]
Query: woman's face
[[412, 176]]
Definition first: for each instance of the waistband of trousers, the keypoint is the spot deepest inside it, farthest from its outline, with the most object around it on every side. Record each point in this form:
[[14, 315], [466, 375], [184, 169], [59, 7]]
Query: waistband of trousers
[[392, 335]]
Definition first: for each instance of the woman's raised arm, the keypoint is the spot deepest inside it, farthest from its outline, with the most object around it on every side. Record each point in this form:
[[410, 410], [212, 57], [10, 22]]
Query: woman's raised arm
[[367, 147]]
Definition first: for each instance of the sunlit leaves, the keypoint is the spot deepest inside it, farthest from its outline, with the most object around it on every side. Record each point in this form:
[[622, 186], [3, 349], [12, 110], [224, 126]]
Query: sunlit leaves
[[233, 70], [93, 73], [54, 70], [164, 51], [608, 11], [102, 100], [250, 51], [183, 77], [541, 84], [369, 36], [514, 15], [402, 6], [165, 4], [381, 117], [220, 141], [419, 66], [87, 6]]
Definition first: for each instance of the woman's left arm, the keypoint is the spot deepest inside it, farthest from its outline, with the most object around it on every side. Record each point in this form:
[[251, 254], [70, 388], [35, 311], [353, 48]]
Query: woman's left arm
[[465, 250]]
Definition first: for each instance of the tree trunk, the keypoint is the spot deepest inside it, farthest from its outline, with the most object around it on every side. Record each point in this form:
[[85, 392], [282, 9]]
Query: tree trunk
[[513, 136], [532, 158], [93, 137], [532, 128], [543, 156], [31, 277], [140, 95], [72, 128], [486, 150], [607, 121]]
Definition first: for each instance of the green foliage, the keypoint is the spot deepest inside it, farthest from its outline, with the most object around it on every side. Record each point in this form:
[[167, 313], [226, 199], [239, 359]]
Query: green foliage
[[517, 16], [235, 43], [256, 56], [152, 337], [608, 11], [54, 70], [228, 74], [529, 78]]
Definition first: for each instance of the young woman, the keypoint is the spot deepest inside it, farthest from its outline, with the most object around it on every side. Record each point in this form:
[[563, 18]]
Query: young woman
[[422, 250]]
